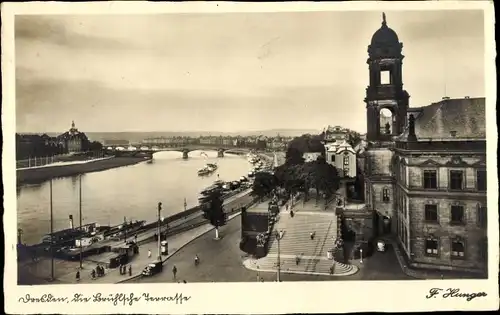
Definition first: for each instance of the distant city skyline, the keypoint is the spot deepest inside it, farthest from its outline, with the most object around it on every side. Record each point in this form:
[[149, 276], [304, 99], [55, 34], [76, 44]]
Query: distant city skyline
[[234, 72]]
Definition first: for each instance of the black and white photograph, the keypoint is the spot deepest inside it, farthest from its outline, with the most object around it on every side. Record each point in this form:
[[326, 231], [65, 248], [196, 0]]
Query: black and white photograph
[[266, 147]]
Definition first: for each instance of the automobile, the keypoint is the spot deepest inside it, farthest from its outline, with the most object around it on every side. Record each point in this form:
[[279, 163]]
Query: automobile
[[153, 268], [381, 246]]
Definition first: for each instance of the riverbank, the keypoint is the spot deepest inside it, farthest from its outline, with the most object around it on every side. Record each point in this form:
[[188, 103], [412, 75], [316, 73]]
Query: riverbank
[[39, 175]]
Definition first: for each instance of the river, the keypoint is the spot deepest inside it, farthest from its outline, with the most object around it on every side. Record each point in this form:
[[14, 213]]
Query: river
[[132, 192]]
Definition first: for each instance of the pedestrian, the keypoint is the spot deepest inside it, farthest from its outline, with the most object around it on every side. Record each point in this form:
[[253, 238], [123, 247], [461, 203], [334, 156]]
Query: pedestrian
[[174, 271], [121, 269], [149, 253], [291, 213], [297, 260], [78, 276], [130, 270], [312, 235], [332, 269], [92, 274]]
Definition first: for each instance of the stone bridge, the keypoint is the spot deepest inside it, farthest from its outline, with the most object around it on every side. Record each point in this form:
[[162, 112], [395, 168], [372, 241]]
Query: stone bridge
[[185, 150]]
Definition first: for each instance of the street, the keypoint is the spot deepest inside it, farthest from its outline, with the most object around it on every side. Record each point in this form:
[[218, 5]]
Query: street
[[220, 261]]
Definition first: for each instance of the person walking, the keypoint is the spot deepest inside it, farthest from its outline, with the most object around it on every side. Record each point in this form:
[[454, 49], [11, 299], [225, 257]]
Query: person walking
[[92, 274], [149, 253], [78, 276], [130, 270], [174, 271]]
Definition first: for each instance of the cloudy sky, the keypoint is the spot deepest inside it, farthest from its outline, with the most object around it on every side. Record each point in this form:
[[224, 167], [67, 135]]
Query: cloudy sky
[[230, 72]]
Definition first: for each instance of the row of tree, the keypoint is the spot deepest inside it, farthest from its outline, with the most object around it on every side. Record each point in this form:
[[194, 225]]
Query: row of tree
[[293, 177]]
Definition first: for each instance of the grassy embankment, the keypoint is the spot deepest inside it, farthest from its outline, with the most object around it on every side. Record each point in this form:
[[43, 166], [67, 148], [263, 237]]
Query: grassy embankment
[[39, 175]]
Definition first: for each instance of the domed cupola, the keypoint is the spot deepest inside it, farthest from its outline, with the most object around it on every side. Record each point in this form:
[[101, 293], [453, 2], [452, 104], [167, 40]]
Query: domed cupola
[[385, 43]]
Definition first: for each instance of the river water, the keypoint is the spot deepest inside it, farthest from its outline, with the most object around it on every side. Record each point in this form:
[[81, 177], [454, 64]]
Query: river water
[[132, 192]]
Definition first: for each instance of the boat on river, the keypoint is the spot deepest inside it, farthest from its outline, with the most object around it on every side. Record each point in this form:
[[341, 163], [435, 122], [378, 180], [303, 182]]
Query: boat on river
[[208, 169]]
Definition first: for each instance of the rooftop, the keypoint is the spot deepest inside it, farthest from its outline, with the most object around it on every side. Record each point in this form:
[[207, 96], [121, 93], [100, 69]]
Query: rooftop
[[450, 119]]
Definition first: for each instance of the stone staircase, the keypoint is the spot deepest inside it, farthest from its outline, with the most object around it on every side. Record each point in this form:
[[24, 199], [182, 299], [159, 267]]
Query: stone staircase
[[296, 241], [296, 234], [306, 266]]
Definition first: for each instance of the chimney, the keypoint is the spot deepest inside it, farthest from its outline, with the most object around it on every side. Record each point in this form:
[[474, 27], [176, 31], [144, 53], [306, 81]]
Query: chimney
[[453, 133], [71, 221], [411, 128]]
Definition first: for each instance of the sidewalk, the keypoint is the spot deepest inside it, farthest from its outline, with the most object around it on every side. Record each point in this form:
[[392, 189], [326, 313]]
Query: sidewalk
[[139, 261], [426, 274]]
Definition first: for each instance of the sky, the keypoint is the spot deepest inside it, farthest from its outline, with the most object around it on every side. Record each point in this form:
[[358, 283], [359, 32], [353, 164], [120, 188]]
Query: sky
[[233, 71]]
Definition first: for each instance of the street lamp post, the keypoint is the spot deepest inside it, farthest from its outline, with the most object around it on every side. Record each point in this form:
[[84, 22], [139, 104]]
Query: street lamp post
[[159, 230], [51, 236], [125, 230], [81, 228], [278, 276]]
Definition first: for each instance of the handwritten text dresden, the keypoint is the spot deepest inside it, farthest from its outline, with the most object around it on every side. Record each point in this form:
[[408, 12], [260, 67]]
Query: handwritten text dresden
[[114, 299]]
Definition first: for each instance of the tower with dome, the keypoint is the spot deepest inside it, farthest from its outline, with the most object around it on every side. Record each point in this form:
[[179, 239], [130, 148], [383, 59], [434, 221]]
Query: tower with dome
[[73, 140], [423, 168]]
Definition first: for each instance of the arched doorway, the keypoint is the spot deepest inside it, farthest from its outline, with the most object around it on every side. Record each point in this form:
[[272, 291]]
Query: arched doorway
[[386, 121]]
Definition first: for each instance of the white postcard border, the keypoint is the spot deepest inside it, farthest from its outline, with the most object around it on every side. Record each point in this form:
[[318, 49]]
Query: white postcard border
[[246, 298]]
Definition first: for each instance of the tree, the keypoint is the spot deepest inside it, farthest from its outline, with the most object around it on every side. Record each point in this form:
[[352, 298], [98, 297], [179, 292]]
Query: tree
[[293, 156], [264, 183], [307, 143], [328, 180], [213, 211]]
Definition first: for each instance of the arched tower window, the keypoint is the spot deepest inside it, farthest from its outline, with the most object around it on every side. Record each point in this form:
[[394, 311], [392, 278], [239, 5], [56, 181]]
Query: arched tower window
[[385, 121]]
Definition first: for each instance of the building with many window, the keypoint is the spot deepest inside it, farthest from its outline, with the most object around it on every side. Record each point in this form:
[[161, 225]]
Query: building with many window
[[338, 152], [425, 171], [73, 140]]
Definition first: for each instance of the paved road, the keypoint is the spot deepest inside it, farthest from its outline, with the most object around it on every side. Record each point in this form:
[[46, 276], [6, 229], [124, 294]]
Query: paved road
[[381, 266], [220, 261]]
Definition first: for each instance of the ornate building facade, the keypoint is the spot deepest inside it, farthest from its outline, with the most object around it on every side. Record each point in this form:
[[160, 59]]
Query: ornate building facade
[[73, 140], [338, 152], [425, 168]]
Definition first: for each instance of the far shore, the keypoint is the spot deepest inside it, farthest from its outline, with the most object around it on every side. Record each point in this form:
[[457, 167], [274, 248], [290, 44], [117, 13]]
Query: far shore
[[42, 174]]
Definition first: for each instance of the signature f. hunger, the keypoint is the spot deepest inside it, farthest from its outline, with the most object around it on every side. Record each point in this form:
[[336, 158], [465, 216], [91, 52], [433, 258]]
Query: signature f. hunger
[[454, 293]]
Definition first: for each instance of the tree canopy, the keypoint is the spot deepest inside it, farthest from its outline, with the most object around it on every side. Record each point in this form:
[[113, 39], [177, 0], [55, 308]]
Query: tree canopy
[[264, 183], [213, 209], [318, 174]]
